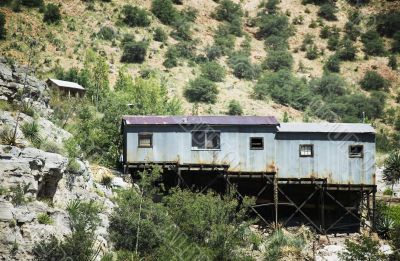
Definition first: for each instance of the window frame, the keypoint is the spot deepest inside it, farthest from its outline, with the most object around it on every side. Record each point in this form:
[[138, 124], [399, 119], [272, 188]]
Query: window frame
[[142, 135], [360, 155], [262, 143], [206, 132], [306, 145]]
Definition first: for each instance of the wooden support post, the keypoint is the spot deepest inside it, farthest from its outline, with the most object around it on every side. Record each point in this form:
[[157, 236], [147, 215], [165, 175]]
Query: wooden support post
[[373, 208], [322, 206], [276, 200]]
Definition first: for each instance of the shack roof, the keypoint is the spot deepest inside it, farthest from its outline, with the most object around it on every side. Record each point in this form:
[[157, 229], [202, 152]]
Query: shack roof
[[197, 120], [326, 127], [66, 84]]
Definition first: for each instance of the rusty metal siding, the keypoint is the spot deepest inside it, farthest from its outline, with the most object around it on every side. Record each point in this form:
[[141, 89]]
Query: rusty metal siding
[[173, 143], [331, 158]]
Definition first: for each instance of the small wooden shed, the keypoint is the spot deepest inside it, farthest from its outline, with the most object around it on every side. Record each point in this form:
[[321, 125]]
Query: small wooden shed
[[68, 88]]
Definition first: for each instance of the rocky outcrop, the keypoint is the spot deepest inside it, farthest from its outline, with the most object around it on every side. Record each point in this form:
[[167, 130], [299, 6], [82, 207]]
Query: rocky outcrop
[[33, 183], [16, 85]]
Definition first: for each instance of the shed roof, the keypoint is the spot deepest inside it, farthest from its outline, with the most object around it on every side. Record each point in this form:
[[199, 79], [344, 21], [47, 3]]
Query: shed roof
[[195, 120], [66, 84], [325, 127]]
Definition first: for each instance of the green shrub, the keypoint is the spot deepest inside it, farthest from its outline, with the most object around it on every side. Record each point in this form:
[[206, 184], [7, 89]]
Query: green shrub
[[165, 11], [18, 194], [224, 39], [3, 31], [44, 218], [7, 136], [279, 241], [234, 108], [160, 35], [31, 132], [50, 146], [276, 42], [106, 180], [277, 25], [73, 166], [52, 14], [182, 31], [332, 64], [201, 90], [106, 33], [213, 71], [373, 43], [388, 192], [388, 23], [328, 11], [243, 68], [171, 58], [135, 16], [365, 249], [325, 32], [347, 51], [333, 41], [134, 52], [373, 81], [277, 60], [32, 3], [228, 11], [329, 86], [283, 87]]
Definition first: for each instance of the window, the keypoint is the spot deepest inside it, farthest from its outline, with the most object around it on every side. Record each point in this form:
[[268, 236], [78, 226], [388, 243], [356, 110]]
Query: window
[[145, 140], [356, 151], [209, 140], [256, 143], [306, 150]]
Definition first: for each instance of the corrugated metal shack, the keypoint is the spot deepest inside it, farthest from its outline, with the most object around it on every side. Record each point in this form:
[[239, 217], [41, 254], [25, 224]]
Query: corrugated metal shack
[[316, 173]]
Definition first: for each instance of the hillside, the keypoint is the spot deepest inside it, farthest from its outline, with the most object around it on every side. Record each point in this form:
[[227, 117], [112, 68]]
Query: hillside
[[65, 44]]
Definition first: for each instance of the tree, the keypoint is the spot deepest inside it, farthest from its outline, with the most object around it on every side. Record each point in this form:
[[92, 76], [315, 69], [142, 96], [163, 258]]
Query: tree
[[330, 85], [391, 173], [135, 16], [347, 51], [242, 67], [165, 11], [234, 108], [134, 52], [228, 11], [201, 90], [52, 14], [213, 71], [277, 60], [373, 81], [3, 31]]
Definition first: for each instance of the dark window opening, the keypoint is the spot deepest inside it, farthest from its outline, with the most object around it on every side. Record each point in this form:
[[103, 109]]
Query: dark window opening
[[256, 143], [206, 140], [306, 150], [145, 140], [356, 151]]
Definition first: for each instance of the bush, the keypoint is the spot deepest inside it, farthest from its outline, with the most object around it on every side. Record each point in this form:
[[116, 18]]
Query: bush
[[32, 3], [50, 146], [373, 81], [160, 35], [388, 23], [283, 87], [312, 52], [106, 180], [325, 32], [272, 6], [3, 31], [395, 44], [277, 60], [224, 39], [44, 218], [228, 11], [134, 52], [280, 242], [135, 16], [171, 58], [277, 25], [52, 14], [276, 42], [333, 41], [328, 11], [106, 33], [201, 90], [332, 64], [214, 52], [365, 249], [329, 86], [373, 43], [243, 68], [234, 108], [213, 71], [165, 11], [347, 51]]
